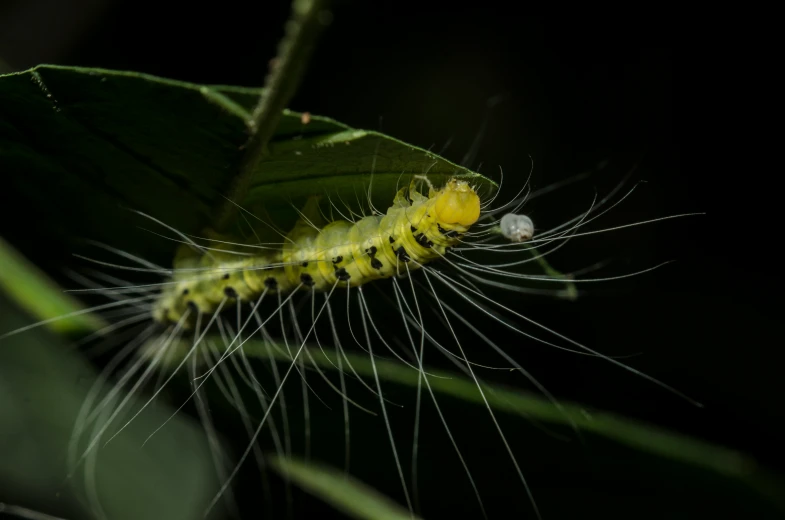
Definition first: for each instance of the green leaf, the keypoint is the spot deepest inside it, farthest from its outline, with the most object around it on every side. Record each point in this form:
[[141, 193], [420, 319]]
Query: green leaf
[[40, 296], [343, 492], [171, 149]]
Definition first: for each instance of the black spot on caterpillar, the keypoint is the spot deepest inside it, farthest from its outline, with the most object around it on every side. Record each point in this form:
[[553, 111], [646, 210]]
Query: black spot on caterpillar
[[423, 240], [401, 254], [451, 233]]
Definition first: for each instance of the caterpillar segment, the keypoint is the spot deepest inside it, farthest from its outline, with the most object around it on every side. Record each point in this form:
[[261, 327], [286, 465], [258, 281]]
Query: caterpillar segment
[[417, 229]]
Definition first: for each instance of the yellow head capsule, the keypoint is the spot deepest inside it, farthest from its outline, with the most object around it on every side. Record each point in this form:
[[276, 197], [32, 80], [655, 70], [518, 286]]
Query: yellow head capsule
[[457, 203]]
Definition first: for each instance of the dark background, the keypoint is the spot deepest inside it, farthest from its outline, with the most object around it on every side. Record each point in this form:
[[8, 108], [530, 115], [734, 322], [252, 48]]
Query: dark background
[[574, 92]]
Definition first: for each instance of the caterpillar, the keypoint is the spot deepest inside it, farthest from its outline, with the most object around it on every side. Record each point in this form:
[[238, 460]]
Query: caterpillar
[[430, 228], [416, 229]]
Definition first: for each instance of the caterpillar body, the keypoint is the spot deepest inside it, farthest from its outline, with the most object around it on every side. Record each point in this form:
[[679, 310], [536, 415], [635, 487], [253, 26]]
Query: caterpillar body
[[416, 228]]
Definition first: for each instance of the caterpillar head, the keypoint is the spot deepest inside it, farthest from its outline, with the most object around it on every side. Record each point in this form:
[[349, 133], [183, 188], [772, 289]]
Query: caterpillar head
[[456, 203]]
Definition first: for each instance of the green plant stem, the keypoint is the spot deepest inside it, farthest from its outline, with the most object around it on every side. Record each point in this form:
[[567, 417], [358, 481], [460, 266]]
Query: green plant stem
[[308, 19]]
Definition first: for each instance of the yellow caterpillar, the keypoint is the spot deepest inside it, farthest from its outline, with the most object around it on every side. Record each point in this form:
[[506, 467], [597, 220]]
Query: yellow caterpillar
[[416, 228]]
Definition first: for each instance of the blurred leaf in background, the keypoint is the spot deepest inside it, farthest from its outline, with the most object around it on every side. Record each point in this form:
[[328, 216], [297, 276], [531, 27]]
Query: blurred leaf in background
[[346, 494], [43, 384]]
